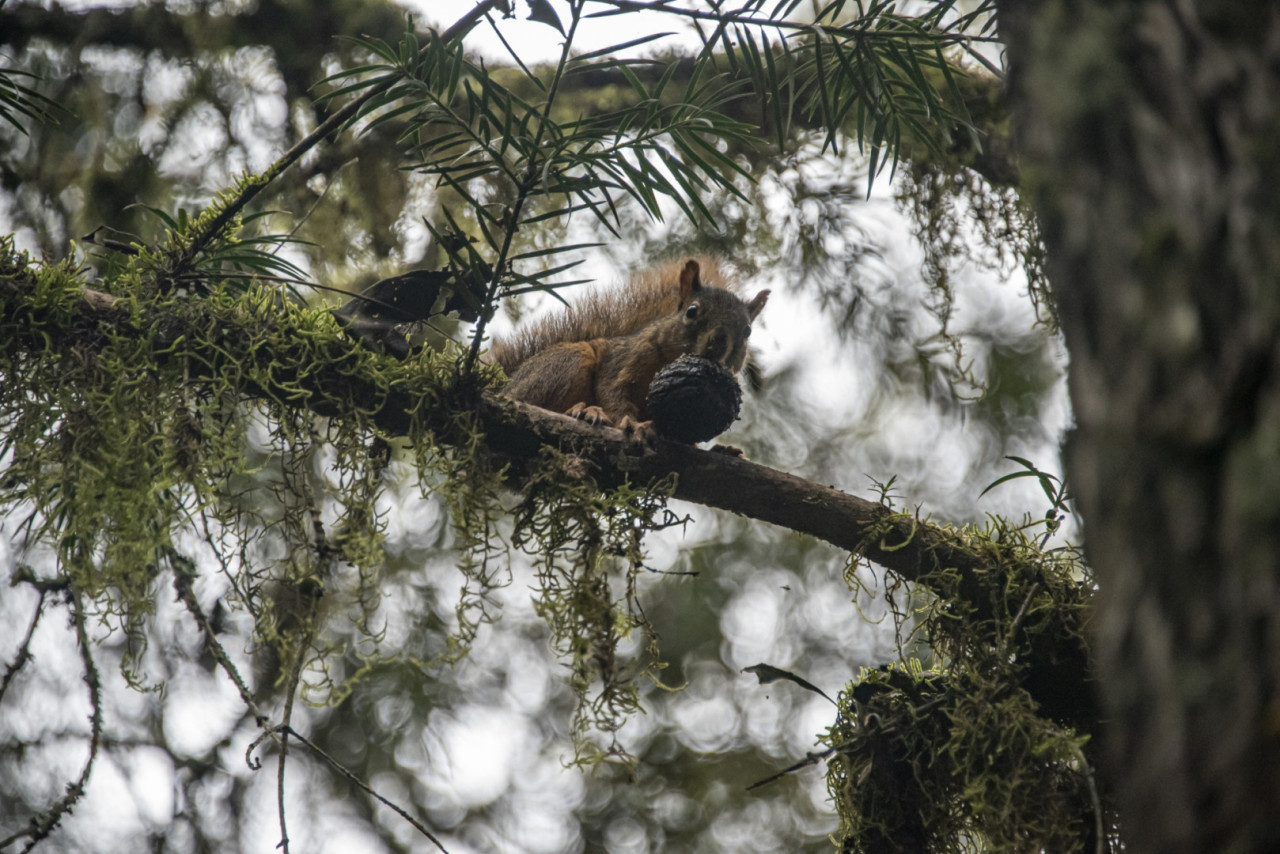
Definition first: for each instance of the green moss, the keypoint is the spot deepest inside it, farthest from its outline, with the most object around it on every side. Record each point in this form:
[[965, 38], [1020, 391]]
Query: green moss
[[578, 535], [959, 757], [247, 424]]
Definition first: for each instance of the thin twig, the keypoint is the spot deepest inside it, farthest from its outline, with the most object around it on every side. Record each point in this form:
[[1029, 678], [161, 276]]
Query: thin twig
[[44, 824], [1087, 770], [352, 778], [809, 759], [184, 571], [232, 580], [1017, 618], [24, 649], [1007, 640], [328, 185], [291, 690], [322, 548], [782, 24], [27, 575], [284, 753], [525, 187]]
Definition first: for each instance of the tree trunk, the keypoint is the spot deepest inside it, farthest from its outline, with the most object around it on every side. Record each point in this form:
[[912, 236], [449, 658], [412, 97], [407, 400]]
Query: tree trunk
[[1151, 134]]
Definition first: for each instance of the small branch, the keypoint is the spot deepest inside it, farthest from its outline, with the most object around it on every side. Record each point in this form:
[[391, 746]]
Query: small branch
[[1017, 618], [809, 759], [525, 187], [291, 689], [831, 30], [284, 753], [26, 575], [24, 648], [184, 572], [44, 824], [1022, 611], [352, 778], [1100, 843]]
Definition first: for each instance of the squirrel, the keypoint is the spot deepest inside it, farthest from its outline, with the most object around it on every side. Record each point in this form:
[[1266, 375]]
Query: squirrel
[[595, 360]]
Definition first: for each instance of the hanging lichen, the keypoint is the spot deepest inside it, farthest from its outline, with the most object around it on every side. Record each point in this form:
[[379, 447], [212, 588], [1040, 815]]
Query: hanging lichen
[[577, 535], [157, 426], [952, 205]]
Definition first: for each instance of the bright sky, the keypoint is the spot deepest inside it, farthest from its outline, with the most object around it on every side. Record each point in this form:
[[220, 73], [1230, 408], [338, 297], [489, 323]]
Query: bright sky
[[539, 42]]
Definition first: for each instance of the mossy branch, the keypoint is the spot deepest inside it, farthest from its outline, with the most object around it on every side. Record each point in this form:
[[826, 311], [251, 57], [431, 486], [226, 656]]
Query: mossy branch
[[949, 562]]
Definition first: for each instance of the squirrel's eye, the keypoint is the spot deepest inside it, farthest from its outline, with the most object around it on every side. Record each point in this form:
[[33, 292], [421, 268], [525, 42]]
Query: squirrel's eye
[[692, 311], [746, 332]]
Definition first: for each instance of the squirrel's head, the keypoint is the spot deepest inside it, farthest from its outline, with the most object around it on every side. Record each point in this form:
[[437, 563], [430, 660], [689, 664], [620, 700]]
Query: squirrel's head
[[716, 323]]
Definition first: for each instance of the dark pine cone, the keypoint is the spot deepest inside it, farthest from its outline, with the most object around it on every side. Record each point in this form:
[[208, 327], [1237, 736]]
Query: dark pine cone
[[693, 399]]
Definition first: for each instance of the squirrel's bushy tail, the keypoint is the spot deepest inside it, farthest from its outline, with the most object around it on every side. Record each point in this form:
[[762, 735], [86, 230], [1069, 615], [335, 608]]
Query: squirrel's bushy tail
[[612, 312]]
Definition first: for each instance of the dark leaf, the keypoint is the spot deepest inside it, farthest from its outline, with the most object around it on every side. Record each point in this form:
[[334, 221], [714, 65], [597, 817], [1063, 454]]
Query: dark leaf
[[767, 673], [541, 11]]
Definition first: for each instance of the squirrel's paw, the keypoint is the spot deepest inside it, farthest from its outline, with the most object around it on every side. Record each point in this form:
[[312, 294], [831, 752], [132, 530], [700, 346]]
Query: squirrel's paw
[[589, 414], [639, 431]]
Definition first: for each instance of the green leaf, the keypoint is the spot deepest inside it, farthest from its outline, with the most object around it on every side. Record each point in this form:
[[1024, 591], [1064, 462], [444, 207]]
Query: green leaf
[[169, 222], [1055, 494], [553, 250], [618, 48], [542, 12]]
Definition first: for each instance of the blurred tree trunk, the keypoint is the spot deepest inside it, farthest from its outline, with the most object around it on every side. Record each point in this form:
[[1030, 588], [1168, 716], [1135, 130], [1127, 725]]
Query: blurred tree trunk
[[1151, 133]]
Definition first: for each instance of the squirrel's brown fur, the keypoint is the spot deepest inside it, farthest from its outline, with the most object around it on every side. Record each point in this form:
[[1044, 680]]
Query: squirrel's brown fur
[[596, 359]]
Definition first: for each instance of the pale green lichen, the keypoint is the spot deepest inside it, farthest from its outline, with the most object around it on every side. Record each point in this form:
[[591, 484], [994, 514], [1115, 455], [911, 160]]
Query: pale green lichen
[[191, 421]]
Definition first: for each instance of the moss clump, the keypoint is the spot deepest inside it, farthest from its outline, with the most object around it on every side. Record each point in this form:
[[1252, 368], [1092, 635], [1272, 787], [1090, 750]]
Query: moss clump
[[960, 756]]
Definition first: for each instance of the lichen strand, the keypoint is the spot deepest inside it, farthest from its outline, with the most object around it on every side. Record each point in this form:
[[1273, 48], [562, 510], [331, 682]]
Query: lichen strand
[[957, 756], [577, 535], [947, 203], [171, 428]]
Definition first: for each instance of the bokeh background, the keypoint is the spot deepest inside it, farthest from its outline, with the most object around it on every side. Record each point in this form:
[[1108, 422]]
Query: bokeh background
[[860, 383]]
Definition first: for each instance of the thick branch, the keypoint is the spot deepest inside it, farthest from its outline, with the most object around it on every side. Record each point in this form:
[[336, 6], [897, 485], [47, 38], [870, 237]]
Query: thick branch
[[911, 547], [298, 42]]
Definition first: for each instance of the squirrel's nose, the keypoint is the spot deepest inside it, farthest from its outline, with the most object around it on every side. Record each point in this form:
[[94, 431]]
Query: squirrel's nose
[[716, 347]]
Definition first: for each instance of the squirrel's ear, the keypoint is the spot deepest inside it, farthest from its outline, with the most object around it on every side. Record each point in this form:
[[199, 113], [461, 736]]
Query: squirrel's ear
[[690, 283], [757, 303]]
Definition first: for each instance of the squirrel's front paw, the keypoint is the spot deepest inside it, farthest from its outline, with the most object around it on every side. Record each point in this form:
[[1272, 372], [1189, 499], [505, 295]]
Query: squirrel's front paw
[[639, 431], [589, 414]]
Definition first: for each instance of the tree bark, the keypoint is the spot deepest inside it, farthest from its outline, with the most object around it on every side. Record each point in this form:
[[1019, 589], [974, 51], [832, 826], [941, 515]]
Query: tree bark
[[1152, 133]]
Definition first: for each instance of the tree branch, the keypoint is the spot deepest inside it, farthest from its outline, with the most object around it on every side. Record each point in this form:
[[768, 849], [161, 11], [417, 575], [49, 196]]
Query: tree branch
[[24, 649], [45, 823], [911, 547]]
